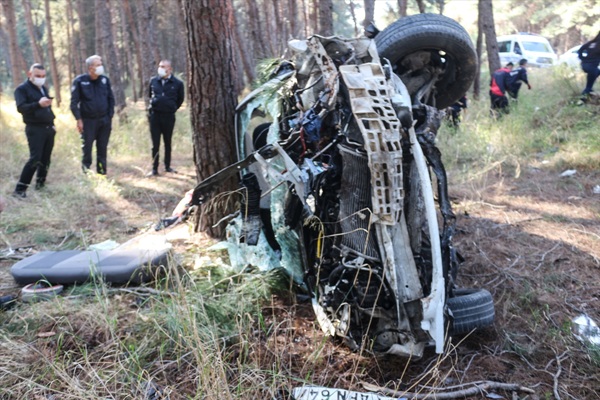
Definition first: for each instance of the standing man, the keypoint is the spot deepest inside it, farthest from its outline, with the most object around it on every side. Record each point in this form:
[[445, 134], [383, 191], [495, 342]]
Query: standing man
[[517, 77], [93, 105], [589, 54], [166, 96], [498, 87], [34, 103]]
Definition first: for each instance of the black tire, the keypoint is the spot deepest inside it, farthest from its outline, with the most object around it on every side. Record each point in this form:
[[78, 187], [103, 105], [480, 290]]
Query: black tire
[[470, 309], [435, 33]]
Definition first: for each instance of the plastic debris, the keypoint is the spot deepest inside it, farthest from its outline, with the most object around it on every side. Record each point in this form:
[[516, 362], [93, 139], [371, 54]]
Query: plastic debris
[[569, 172], [106, 245], [596, 189], [586, 330]]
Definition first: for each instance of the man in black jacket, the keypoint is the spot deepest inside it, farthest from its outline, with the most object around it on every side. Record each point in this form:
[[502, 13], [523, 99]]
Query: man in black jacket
[[93, 105], [166, 96], [518, 76], [34, 103], [589, 54]]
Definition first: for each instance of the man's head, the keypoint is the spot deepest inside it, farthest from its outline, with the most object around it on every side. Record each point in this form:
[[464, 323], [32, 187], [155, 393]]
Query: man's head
[[164, 69], [94, 66], [509, 66], [523, 62], [37, 74]]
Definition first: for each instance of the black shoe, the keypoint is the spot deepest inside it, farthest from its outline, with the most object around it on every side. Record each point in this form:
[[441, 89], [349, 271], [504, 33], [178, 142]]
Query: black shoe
[[171, 170], [19, 194], [40, 185], [152, 173]]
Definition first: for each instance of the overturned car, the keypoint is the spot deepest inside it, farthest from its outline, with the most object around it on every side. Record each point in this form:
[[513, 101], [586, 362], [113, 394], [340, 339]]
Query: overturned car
[[338, 158]]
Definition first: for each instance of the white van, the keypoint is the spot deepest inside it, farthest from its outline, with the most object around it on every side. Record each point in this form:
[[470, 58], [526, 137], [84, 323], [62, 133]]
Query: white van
[[534, 48]]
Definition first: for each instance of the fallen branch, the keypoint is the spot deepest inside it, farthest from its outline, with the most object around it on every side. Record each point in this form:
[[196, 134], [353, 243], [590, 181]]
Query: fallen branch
[[476, 389]]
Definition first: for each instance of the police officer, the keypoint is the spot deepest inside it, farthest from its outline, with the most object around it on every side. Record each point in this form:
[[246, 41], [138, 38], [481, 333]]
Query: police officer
[[93, 105], [166, 96], [517, 76], [34, 103]]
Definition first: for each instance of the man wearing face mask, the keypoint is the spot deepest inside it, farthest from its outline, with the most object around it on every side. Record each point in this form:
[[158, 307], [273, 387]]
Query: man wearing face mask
[[34, 103], [166, 96], [93, 105]]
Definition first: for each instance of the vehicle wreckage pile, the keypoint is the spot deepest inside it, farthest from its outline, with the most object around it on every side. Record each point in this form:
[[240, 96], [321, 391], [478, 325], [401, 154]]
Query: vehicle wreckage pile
[[335, 153]]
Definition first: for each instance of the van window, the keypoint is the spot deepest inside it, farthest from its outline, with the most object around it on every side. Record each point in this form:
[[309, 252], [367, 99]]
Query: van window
[[504, 47], [517, 49], [537, 46]]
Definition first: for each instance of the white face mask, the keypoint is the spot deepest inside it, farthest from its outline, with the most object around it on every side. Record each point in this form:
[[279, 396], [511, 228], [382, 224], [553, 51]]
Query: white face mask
[[39, 82], [99, 70], [162, 72]]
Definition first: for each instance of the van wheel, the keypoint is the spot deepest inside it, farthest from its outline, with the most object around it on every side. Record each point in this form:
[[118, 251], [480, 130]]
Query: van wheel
[[423, 46], [470, 309]]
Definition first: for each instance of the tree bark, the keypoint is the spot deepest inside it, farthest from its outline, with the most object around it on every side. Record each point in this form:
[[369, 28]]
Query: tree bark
[[83, 36], [402, 8], [421, 6], [130, 46], [104, 37], [486, 13], [325, 17], [212, 96], [52, 59], [244, 52], [17, 69], [352, 8], [72, 51], [38, 53], [369, 12], [479, 50], [133, 31], [150, 56]]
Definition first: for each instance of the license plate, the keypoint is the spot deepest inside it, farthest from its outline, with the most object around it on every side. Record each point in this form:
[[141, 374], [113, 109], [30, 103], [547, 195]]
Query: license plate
[[323, 393]]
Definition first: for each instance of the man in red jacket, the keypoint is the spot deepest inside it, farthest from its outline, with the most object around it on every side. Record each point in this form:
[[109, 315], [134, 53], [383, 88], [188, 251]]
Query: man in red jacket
[[498, 87]]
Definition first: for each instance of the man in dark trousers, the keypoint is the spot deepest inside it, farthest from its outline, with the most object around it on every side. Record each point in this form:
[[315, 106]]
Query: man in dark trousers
[[166, 96], [589, 54], [517, 77], [34, 103], [498, 86], [93, 105]]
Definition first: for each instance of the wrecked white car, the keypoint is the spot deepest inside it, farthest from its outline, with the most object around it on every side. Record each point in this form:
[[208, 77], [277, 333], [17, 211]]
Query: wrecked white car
[[337, 153]]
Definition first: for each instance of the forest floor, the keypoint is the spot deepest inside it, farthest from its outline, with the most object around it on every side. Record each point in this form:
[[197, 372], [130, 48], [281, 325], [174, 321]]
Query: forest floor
[[528, 235]]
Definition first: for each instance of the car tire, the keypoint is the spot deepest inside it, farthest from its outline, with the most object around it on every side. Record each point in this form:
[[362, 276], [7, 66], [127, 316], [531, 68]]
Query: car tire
[[435, 33], [470, 309]]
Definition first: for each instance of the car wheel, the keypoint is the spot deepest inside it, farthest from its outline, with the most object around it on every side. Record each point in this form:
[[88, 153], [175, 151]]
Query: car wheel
[[470, 309], [421, 46]]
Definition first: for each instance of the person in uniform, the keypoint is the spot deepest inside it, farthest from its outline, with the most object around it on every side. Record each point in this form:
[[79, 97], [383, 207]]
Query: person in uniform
[[166, 96], [516, 78], [93, 105], [35, 104]]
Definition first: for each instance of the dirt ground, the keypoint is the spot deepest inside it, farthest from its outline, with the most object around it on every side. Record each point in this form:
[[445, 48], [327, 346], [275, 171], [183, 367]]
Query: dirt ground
[[529, 236]]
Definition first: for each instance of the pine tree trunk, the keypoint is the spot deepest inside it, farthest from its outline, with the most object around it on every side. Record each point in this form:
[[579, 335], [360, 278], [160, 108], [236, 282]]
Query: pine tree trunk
[[150, 56], [72, 52], [402, 7], [138, 49], [326, 17], [486, 13], [104, 36], [38, 53], [352, 7], [479, 50], [54, 69], [17, 68], [129, 49], [212, 65], [421, 6], [84, 32], [369, 12]]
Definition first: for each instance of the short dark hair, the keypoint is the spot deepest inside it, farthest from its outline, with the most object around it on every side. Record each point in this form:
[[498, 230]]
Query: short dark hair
[[510, 64], [36, 66], [522, 61]]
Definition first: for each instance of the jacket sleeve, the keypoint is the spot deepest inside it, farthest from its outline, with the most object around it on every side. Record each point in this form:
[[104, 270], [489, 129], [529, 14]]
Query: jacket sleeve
[[582, 49], [111, 101], [23, 106], [75, 95], [180, 95]]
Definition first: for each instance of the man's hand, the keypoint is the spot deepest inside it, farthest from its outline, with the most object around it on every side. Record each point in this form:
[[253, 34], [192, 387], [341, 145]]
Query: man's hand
[[528, 86], [45, 102], [80, 125]]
